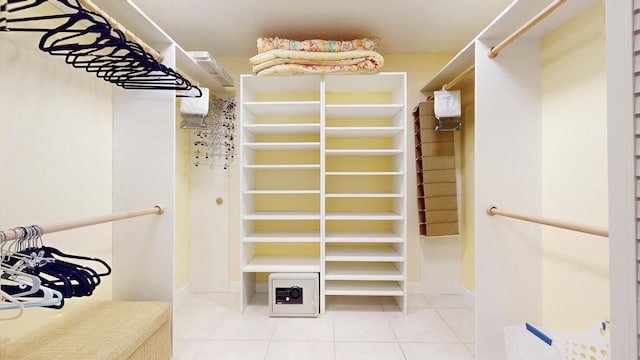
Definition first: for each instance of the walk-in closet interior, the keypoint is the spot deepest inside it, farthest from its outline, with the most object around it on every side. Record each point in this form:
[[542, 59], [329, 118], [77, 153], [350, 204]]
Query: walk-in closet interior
[[168, 191]]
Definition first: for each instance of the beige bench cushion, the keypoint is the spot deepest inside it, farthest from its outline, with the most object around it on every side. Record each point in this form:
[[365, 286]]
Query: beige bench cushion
[[101, 330]]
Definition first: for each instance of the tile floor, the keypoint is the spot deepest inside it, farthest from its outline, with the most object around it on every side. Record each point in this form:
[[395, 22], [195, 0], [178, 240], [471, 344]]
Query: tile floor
[[437, 327]]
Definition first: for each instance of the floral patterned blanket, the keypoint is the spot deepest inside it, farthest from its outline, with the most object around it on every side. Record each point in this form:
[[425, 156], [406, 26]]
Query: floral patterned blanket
[[316, 45], [289, 62]]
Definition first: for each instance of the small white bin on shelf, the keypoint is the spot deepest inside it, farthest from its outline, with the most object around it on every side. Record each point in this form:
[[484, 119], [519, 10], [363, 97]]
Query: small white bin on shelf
[[527, 342]]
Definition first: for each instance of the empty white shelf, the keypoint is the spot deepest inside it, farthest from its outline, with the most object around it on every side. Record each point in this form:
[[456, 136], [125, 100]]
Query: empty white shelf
[[283, 108], [363, 236], [361, 131], [271, 263], [282, 167], [363, 111], [363, 216], [362, 253], [362, 271], [364, 173], [283, 146], [280, 236], [363, 195], [283, 128], [363, 152], [272, 215], [363, 288], [281, 192]]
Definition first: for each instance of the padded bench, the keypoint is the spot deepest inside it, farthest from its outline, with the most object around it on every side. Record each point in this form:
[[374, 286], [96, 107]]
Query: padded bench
[[110, 330]]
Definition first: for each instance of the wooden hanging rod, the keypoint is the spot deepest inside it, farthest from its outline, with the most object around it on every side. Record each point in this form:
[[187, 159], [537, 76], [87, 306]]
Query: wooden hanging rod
[[494, 51], [87, 4], [16, 233], [457, 79], [493, 210]]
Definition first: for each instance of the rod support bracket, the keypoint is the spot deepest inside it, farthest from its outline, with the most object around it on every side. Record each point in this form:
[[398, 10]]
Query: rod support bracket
[[490, 209]]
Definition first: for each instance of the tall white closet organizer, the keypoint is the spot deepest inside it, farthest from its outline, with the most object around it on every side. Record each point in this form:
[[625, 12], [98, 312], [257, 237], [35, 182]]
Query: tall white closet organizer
[[323, 162], [507, 98]]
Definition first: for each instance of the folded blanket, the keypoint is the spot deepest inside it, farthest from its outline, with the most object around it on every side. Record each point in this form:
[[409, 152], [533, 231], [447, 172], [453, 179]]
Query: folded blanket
[[368, 43], [300, 62]]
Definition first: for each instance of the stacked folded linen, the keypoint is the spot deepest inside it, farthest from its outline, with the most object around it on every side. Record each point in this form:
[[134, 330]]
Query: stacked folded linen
[[368, 44], [287, 57]]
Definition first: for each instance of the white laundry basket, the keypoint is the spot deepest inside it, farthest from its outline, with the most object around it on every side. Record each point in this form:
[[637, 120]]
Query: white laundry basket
[[527, 342]]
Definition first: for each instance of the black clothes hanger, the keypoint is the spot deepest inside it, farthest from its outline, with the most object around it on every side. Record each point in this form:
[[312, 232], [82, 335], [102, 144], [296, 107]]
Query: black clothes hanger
[[98, 48], [53, 251]]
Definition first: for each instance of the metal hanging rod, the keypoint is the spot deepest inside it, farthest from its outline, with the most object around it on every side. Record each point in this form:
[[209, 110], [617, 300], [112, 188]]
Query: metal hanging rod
[[16, 233], [494, 51], [493, 210]]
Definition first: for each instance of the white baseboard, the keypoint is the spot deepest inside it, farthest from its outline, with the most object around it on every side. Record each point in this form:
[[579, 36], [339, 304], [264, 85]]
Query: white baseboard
[[414, 288], [182, 293], [234, 286], [468, 296]]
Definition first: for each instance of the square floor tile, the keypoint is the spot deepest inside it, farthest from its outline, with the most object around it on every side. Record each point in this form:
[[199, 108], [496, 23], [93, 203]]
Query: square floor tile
[[461, 321], [361, 326], [368, 351], [247, 326], [233, 350], [300, 350], [436, 351], [421, 325], [303, 329]]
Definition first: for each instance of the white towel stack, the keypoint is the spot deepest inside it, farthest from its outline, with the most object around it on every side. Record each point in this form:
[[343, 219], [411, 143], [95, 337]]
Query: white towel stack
[[447, 104], [196, 105]]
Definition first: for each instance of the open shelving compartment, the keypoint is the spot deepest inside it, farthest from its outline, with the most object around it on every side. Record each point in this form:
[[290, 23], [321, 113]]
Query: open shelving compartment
[[323, 182]]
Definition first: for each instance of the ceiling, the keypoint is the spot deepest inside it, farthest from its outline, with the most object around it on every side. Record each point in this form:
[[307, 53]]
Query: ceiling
[[231, 27]]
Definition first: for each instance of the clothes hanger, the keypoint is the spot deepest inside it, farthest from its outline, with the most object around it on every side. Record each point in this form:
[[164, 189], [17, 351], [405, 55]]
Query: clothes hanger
[[14, 284], [17, 303]]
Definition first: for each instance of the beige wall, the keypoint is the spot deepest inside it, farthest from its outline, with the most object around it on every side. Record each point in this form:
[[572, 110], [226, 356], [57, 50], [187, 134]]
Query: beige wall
[[56, 155], [575, 291]]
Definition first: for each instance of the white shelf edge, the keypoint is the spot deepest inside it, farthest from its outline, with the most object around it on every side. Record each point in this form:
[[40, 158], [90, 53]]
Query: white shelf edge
[[282, 167], [283, 146], [281, 216], [362, 237], [272, 263], [363, 152], [281, 192], [363, 195], [362, 253], [364, 173], [368, 288], [362, 271], [363, 216]]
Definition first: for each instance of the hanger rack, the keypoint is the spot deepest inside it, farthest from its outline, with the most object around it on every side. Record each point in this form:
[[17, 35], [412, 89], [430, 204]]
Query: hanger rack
[[104, 46], [17, 233], [494, 51], [87, 4], [493, 210]]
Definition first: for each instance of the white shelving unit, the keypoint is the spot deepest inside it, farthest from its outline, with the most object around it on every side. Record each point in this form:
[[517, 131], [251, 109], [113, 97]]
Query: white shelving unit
[[323, 182]]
